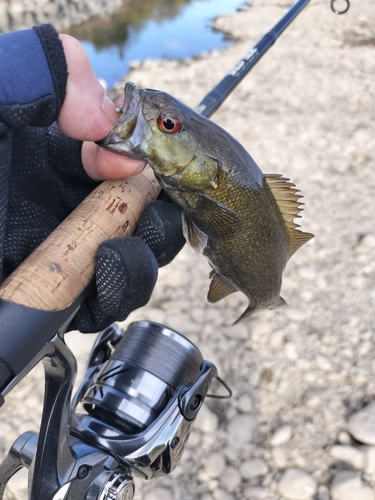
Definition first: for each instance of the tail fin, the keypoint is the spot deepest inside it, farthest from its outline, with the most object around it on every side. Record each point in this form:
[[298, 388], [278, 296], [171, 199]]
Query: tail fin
[[253, 306]]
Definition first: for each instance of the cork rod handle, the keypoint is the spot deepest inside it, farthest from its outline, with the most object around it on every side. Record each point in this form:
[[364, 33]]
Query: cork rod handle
[[53, 276]]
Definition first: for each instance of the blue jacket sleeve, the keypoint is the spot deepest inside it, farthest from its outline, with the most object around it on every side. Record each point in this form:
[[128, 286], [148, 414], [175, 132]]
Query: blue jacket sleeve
[[32, 80]]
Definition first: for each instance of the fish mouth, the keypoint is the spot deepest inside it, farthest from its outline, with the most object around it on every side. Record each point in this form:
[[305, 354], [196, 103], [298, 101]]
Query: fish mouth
[[131, 128]]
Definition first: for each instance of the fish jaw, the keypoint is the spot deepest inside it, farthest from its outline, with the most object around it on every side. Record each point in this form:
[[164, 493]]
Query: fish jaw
[[131, 130]]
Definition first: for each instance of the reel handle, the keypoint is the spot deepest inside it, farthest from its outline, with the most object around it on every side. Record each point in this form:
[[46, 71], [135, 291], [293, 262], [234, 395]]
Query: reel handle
[[54, 275]]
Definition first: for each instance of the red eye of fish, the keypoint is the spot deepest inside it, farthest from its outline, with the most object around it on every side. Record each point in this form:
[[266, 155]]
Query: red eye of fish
[[169, 123]]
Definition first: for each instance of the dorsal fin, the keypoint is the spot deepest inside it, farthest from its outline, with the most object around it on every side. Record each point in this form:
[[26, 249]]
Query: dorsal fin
[[287, 199]]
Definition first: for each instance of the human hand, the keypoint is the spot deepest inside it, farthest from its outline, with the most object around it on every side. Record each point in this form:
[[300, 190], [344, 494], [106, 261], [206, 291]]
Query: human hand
[[88, 114], [127, 268]]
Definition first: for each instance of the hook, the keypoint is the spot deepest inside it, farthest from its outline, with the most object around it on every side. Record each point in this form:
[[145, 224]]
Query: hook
[[339, 11]]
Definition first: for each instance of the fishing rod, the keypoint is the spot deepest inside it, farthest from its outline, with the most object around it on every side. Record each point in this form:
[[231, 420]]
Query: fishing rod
[[215, 98]]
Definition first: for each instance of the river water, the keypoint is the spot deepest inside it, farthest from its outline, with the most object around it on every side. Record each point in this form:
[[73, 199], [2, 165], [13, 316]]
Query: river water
[[154, 29]]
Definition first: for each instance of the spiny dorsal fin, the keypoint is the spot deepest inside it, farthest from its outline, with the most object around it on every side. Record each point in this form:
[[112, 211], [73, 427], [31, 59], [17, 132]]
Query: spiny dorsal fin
[[287, 199]]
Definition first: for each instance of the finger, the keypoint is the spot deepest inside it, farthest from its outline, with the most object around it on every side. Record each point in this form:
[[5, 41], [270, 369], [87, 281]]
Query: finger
[[126, 273], [100, 164], [160, 226], [87, 113]]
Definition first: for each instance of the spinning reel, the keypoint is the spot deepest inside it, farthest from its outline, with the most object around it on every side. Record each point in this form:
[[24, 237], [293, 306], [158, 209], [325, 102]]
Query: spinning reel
[[131, 416]]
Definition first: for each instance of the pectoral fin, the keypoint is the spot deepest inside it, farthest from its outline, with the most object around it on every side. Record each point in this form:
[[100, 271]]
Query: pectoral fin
[[220, 219], [219, 288], [195, 238]]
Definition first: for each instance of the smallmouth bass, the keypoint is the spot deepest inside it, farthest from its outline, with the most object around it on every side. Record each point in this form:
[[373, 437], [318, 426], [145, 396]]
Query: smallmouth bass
[[239, 218]]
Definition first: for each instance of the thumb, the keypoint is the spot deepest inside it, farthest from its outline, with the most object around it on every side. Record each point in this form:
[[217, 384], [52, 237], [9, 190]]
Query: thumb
[[87, 113]]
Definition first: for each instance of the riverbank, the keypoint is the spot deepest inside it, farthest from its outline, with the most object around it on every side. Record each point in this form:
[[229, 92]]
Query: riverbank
[[298, 373]]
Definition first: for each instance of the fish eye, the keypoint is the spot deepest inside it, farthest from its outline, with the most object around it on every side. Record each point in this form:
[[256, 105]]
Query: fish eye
[[169, 123]]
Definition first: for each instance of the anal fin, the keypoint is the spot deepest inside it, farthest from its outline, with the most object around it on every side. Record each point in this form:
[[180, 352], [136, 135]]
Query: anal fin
[[219, 288]]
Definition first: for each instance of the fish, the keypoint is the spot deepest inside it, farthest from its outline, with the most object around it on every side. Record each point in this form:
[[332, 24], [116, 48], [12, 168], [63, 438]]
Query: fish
[[240, 219]]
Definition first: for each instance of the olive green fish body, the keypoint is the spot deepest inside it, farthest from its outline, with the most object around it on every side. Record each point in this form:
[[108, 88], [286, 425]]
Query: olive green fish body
[[239, 218], [247, 253]]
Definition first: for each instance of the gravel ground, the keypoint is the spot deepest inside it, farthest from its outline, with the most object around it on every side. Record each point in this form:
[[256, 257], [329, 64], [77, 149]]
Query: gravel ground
[[301, 423]]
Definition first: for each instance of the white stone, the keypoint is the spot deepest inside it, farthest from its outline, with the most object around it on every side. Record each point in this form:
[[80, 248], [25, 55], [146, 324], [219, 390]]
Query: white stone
[[206, 421], [323, 492], [344, 437], [17, 486], [323, 363], [238, 331], [240, 429], [230, 478], [259, 330], [255, 493], [348, 485], [296, 484], [361, 424], [279, 456], [158, 494], [244, 403], [215, 465], [307, 272], [370, 459], [276, 338], [254, 467], [295, 314], [290, 351], [220, 494], [281, 435], [354, 456], [194, 438]]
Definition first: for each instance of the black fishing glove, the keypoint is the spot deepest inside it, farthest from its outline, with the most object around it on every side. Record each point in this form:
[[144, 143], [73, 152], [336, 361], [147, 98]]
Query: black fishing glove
[[127, 268]]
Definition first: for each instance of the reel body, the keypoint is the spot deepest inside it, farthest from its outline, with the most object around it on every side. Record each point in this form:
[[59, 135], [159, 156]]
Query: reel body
[[131, 416]]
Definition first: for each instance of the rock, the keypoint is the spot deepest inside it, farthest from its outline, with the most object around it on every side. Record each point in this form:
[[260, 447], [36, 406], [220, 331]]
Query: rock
[[344, 437], [244, 403], [158, 494], [240, 429], [296, 484], [215, 465], [279, 456], [370, 460], [361, 424], [207, 420], [238, 331], [354, 456], [290, 351], [259, 330], [281, 435], [230, 478], [323, 363], [323, 492], [255, 493], [348, 485], [221, 494], [253, 467]]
